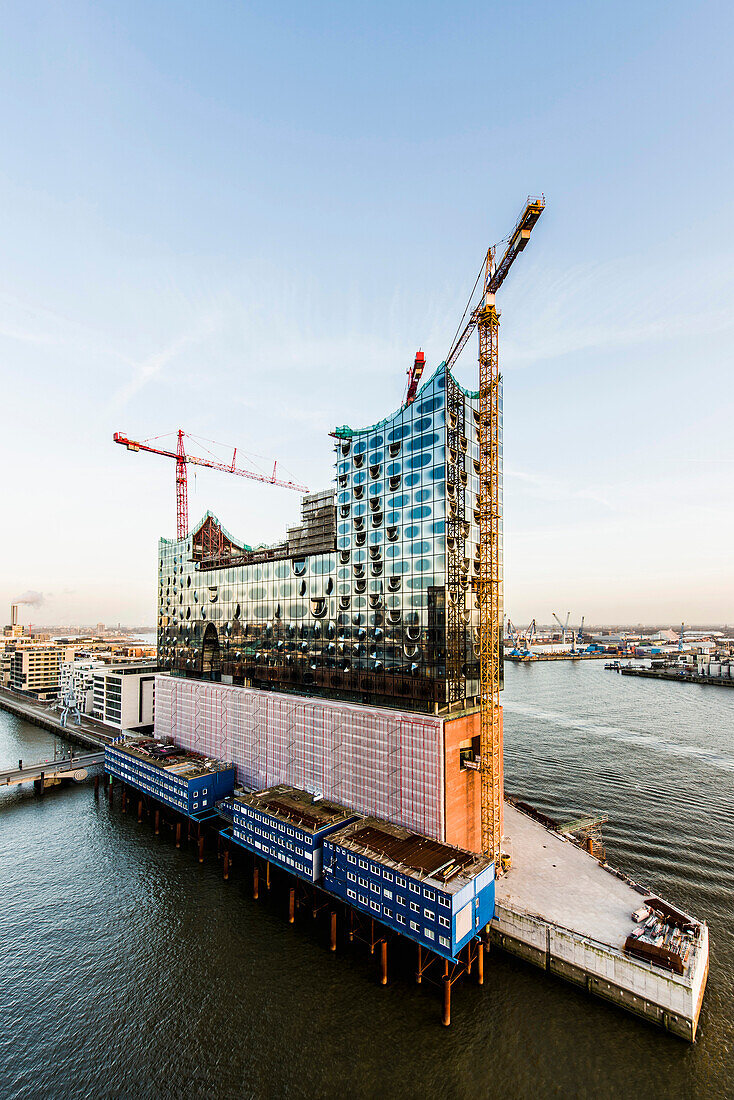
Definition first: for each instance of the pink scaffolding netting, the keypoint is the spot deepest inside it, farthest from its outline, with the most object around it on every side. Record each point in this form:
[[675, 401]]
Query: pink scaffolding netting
[[376, 761]]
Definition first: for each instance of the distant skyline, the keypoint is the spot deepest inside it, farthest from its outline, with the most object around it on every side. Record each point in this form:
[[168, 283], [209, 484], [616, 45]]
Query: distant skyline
[[245, 219]]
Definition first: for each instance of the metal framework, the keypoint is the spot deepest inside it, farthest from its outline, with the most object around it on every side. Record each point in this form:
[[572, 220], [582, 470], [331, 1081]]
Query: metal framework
[[490, 583], [456, 531], [182, 459], [486, 319]]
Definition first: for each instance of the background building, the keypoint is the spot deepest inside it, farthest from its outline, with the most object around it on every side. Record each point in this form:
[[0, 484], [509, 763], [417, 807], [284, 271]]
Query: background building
[[124, 696], [35, 669]]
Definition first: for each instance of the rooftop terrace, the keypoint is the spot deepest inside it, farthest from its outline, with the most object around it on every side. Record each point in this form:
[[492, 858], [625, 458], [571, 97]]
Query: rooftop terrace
[[171, 758], [298, 807], [411, 854]]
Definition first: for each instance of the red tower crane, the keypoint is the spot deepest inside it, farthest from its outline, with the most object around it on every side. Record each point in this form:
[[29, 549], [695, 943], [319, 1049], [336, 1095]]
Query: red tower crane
[[182, 458]]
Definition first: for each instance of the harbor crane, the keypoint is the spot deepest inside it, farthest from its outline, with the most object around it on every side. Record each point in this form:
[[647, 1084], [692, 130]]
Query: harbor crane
[[485, 318], [183, 459], [564, 627]]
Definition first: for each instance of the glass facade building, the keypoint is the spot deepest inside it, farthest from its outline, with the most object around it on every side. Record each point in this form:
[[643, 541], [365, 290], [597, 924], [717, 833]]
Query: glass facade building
[[373, 598]]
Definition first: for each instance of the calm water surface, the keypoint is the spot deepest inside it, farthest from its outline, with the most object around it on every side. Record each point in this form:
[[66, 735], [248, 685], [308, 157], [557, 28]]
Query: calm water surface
[[129, 970]]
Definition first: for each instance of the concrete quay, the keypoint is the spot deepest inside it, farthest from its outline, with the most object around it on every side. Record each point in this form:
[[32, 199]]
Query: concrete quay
[[560, 909], [677, 677], [87, 733]]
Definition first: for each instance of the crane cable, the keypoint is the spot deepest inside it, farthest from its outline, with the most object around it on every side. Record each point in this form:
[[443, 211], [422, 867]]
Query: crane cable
[[460, 327]]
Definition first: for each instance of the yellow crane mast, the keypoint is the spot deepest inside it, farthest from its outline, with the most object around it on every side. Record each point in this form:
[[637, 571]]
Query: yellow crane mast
[[485, 318]]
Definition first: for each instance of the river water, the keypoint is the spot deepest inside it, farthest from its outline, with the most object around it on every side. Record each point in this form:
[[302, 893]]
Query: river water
[[129, 970]]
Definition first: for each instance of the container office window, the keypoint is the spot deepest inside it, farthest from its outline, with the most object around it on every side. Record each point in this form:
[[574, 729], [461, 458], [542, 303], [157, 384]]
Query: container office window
[[363, 882], [351, 859], [364, 899], [387, 875], [443, 941], [351, 894], [428, 895], [387, 912], [415, 907], [414, 926], [399, 900], [428, 914], [388, 894], [363, 863], [375, 905], [428, 933], [444, 922], [374, 888], [351, 877], [399, 880], [414, 888], [400, 918], [444, 901]]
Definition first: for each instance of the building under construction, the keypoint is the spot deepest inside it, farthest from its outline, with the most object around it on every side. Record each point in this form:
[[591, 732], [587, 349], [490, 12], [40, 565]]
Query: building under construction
[[359, 661], [362, 624]]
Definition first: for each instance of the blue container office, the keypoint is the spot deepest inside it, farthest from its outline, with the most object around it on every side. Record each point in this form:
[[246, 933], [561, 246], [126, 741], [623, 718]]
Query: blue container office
[[437, 895], [185, 781], [285, 826]]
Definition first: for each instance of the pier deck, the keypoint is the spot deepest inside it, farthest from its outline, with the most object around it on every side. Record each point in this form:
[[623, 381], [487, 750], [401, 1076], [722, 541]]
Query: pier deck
[[560, 909]]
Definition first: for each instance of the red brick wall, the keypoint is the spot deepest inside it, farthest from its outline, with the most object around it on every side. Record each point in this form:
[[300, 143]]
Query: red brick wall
[[462, 785]]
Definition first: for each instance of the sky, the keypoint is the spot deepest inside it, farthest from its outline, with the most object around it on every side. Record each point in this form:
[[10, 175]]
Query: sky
[[243, 219]]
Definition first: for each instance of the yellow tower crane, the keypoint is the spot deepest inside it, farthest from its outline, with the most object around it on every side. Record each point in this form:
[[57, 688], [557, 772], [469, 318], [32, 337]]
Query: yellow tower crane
[[486, 319]]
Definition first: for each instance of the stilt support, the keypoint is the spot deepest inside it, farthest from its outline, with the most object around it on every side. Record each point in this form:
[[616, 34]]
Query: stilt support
[[157, 822], [480, 964], [383, 962], [332, 943], [291, 905], [419, 971], [255, 882], [201, 847], [140, 809], [226, 864], [178, 834], [446, 1019], [267, 876]]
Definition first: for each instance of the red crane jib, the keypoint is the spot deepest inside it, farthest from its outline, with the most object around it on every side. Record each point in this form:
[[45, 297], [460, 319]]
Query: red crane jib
[[414, 376], [182, 459]]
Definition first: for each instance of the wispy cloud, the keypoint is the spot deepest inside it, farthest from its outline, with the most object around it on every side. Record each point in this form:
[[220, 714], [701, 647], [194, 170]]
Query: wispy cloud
[[550, 489], [610, 306], [149, 369]]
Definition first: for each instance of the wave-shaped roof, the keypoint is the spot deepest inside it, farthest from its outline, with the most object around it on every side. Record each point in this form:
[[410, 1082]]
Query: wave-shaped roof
[[345, 432]]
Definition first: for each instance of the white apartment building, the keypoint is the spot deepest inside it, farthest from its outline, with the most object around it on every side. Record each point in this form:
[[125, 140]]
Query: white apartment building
[[124, 695]]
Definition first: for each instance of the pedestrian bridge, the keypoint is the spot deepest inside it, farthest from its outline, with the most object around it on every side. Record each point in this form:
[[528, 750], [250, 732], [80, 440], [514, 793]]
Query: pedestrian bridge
[[50, 772]]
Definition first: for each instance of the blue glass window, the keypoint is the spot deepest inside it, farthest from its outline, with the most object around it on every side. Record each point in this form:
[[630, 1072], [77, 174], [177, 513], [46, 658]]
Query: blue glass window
[[419, 460], [430, 405], [399, 433]]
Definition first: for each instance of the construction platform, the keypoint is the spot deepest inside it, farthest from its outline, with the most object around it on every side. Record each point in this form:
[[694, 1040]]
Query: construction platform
[[562, 910]]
